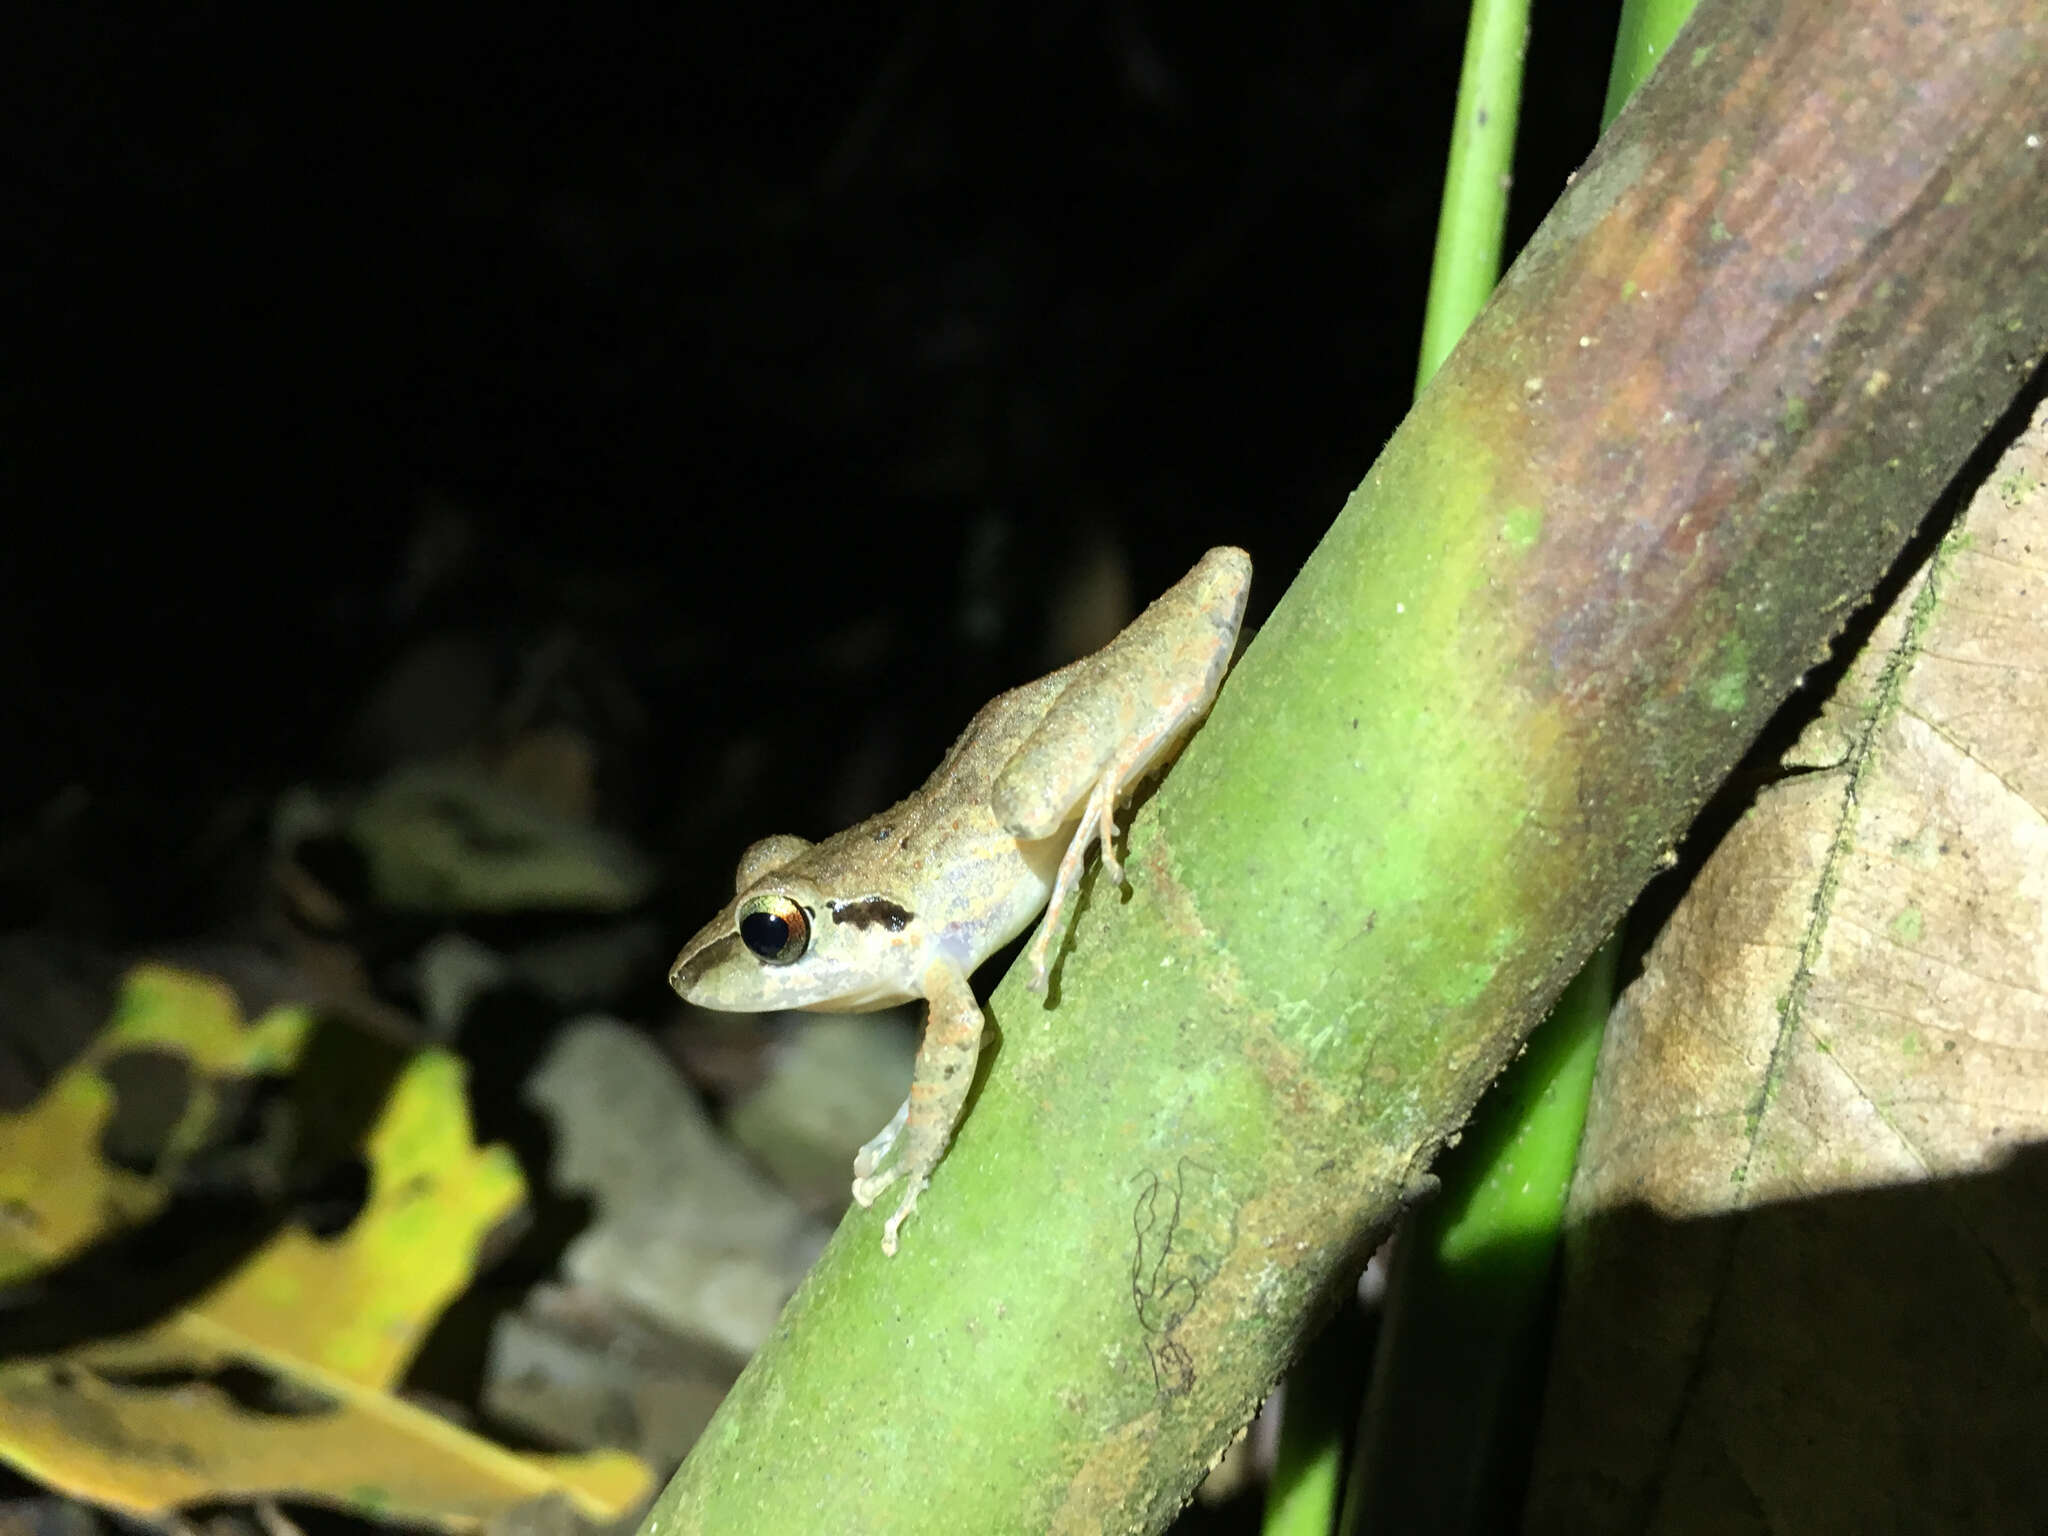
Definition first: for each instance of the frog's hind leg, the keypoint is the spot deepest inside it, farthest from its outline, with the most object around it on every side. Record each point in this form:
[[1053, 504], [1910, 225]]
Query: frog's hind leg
[[1122, 713], [1135, 756], [1098, 825], [939, 1083]]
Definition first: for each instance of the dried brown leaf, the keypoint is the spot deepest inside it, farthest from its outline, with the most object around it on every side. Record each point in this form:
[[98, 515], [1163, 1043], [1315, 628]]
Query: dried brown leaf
[[1809, 1267]]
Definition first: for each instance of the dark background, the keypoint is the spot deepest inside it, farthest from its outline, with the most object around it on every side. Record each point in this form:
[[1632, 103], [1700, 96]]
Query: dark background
[[745, 392], [783, 358]]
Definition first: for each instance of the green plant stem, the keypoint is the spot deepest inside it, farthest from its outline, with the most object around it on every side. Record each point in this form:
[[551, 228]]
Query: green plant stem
[[1610, 539], [1471, 228], [1320, 1403], [1452, 1408], [1644, 36], [1473, 219]]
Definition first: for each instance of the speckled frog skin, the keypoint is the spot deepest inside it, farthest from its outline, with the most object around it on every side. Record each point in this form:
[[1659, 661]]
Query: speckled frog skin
[[908, 903]]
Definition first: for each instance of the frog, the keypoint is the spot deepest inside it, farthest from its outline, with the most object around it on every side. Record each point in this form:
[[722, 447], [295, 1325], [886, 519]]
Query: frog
[[908, 903]]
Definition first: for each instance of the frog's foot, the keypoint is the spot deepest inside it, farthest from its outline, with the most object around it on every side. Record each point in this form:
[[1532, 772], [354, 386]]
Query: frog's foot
[[1097, 825], [889, 1227], [874, 1154], [1112, 866], [868, 1188]]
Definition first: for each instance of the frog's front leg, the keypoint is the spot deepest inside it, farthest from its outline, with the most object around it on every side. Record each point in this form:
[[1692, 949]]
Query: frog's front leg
[[875, 1151], [938, 1092]]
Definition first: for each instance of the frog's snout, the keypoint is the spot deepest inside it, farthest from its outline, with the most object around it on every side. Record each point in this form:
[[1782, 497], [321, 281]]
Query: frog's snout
[[687, 973], [718, 973]]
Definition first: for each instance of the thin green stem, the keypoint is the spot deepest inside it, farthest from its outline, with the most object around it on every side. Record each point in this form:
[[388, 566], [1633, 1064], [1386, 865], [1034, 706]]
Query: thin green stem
[[1315, 1422], [1473, 220], [1644, 36]]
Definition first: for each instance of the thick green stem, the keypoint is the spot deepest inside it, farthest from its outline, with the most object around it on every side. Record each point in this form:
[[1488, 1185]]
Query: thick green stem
[[1702, 414]]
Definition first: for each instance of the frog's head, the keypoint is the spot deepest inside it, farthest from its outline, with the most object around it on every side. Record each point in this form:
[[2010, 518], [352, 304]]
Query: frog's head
[[786, 942]]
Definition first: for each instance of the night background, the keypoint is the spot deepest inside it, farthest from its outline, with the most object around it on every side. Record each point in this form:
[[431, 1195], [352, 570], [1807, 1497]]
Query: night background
[[788, 358], [748, 395]]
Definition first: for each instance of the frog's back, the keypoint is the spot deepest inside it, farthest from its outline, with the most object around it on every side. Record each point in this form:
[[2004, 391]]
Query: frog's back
[[948, 821], [1002, 725]]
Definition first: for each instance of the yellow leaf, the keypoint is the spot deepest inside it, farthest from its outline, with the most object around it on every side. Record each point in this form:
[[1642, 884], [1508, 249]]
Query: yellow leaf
[[358, 1304], [56, 1195], [149, 1449], [275, 1381]]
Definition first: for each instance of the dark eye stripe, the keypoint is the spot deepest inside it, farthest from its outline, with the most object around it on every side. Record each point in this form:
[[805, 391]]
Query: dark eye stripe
[[870, 910]]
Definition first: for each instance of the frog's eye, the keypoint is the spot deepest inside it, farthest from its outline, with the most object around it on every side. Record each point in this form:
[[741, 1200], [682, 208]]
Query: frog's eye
[[775, 928]]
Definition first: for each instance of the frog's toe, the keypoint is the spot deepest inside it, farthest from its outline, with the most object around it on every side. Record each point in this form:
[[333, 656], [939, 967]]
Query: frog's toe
[[1040, 960], [895, 1223], [867, 1189]]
